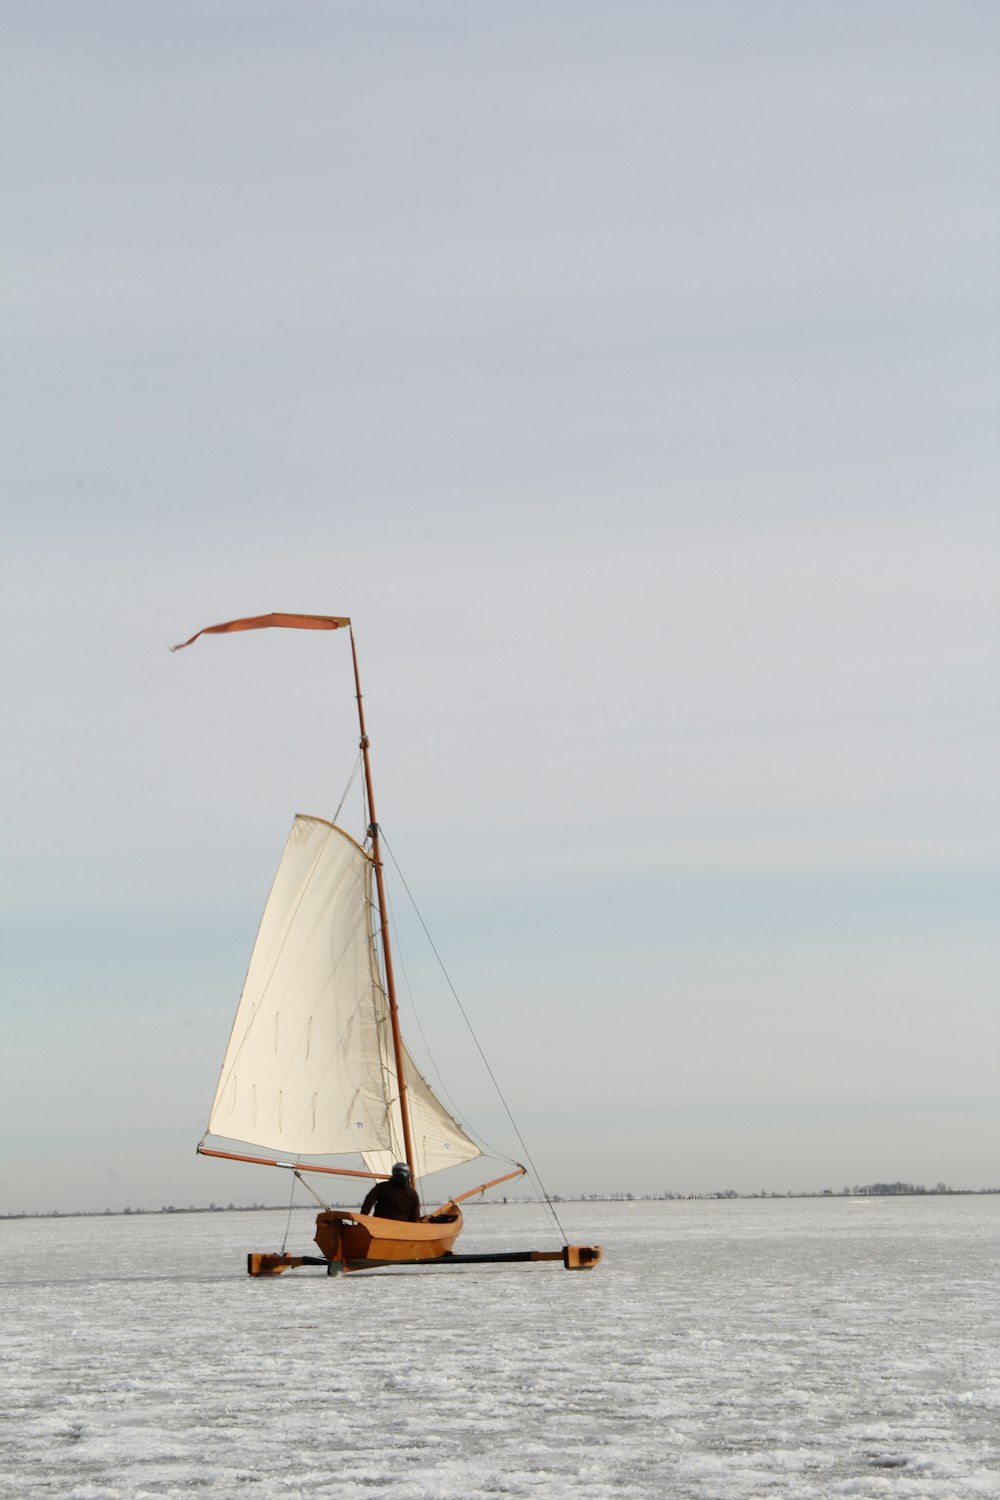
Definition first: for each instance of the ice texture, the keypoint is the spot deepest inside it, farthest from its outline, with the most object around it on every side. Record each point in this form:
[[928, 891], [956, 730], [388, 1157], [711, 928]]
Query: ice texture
[[744, 1349]]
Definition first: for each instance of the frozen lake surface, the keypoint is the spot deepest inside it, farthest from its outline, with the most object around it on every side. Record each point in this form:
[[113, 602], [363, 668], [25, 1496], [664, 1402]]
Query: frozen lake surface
[[736, 1349]]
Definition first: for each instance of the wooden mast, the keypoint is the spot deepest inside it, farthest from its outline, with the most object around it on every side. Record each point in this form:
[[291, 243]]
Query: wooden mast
[[390, 983]]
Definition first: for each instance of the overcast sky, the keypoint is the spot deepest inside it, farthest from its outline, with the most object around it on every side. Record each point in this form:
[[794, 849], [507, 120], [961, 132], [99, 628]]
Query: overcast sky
[[629, 373]]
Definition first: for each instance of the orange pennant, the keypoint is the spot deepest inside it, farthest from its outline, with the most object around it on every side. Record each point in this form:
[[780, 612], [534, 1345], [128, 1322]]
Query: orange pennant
[[262, 622]]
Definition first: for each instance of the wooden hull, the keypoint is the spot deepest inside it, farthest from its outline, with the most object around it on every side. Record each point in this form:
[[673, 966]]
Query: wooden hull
[[352, 1241]]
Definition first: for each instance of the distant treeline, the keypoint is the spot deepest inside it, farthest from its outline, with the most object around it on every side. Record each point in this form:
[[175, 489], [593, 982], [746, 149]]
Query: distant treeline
[[866, 1190], [863, 1190]]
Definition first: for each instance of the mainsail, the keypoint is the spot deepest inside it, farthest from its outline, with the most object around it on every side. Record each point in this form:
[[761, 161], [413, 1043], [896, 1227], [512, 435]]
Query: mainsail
[[310, 1069]]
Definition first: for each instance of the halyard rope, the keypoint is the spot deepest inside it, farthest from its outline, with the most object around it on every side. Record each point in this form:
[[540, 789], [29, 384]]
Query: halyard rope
[[347, 788], [527, 1155], [439, 1080]]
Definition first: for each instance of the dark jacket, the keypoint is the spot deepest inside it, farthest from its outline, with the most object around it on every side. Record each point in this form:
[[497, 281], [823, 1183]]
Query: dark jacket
[[394, 1199]]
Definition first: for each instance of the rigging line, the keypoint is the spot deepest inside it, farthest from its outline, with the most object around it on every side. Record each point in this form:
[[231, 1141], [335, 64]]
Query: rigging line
[[527, 1155], [288, 1222], [440, 1083], [347, 788], [310, 1189], [298, 1177]]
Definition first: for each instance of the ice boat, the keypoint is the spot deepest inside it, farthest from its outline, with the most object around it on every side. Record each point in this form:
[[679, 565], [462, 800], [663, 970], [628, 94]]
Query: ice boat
[[316, 1066]]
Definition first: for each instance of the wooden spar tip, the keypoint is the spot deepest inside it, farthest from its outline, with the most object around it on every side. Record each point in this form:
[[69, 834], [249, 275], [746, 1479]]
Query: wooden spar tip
[[272, 1265], [573, 1257], [581, 1257], [291, 1166]]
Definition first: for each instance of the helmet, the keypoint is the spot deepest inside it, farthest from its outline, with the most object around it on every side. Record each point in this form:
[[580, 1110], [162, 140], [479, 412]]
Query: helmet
[[400, 1169]]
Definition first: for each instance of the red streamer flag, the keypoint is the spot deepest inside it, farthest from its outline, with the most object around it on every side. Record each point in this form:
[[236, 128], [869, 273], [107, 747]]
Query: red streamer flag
[[264, 622]]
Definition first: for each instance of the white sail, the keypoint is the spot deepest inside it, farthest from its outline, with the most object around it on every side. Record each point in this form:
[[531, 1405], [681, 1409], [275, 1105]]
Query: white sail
[[309, 1069], [438, 1140]]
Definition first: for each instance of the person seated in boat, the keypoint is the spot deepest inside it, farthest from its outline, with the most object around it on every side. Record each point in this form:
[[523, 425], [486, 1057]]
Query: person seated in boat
[[395, 1198]]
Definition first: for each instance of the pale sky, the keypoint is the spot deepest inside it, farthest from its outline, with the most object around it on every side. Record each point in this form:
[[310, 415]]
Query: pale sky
[[629, 373]]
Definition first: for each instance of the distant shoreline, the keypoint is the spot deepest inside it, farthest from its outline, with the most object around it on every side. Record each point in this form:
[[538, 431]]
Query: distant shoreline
[[871, 1190]]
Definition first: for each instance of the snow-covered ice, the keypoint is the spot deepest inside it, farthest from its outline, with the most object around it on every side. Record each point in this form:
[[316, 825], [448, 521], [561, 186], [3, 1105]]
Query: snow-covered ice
[[743, 1349]]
